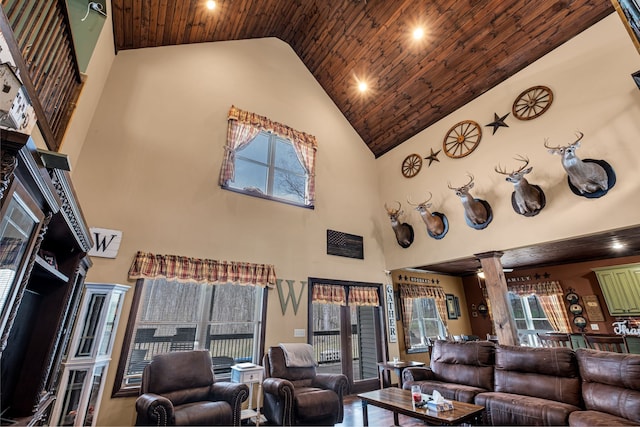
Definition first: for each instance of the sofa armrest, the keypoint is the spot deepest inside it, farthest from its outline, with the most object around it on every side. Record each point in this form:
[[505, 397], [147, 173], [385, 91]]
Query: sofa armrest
[[335, 382], [277, 386], [153, 409], [421, 373], [278, 401], [233, 393]]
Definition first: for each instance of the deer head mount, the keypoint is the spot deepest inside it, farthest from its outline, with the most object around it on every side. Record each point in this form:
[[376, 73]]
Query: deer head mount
[[588, 178], [477, 212], [436, 222], [403, 231], [527, 199]]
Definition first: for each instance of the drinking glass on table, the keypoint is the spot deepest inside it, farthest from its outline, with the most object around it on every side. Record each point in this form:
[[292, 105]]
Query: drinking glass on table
[[416, 394]]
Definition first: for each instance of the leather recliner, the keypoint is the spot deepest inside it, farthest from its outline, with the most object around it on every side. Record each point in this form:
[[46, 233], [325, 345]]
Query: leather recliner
[[179, 389], [299, 395]]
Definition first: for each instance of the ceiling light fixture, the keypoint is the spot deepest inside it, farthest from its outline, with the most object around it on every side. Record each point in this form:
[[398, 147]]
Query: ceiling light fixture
[[362, 86], [211, 5], [418, 33], [617, 246]]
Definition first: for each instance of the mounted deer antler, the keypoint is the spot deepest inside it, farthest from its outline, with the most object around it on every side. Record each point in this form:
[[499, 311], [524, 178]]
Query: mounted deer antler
[[476, 211], [403, 231], [435, 222], [586, 176], [527, 199]]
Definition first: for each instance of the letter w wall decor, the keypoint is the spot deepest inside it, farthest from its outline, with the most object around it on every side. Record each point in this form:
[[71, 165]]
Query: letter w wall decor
[[291, 295]]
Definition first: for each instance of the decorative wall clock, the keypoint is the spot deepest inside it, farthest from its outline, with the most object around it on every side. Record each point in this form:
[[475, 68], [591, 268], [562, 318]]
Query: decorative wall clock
[[580, 322], [575, 309], [411, 165], [532, 103], [462, 139]]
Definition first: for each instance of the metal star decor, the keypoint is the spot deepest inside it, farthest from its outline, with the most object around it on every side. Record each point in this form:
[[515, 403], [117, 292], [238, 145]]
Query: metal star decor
[[433, 157], [498, 122]]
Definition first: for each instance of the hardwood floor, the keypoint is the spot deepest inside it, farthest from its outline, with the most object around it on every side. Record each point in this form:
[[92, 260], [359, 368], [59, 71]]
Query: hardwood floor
[[378, 417]]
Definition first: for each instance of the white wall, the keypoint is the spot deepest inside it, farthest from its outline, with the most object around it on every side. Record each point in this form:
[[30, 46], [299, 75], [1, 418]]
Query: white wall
[[151, 159], [593, 93]]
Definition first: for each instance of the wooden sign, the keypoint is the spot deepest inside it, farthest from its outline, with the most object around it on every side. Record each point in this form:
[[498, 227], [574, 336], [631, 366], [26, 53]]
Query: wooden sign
[[105, 242], [391, 313], [592, 308]]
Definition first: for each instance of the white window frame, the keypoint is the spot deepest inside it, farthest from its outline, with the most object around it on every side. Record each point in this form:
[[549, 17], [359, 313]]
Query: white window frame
[[271, 167], [528, 336], [425, 340]]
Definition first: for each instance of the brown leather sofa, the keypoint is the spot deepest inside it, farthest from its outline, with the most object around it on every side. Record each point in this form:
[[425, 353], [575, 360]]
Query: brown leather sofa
[[458, 370], [179, 389], [533, 386], [299, 395], [610, 389], [537, 386]]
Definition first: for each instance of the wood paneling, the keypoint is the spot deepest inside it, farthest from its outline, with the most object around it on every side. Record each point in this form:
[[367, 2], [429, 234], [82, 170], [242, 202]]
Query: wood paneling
[[470, 47]]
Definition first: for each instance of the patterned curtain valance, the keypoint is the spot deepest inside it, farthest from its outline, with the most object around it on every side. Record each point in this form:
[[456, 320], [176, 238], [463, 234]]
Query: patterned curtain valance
[[183, 269], [329, 294], [542, 288], [418, 291], [264, 123], [359, 295]]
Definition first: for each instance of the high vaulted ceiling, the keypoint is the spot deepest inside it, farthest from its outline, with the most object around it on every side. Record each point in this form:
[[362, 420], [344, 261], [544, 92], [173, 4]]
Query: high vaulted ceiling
[[470, 46]]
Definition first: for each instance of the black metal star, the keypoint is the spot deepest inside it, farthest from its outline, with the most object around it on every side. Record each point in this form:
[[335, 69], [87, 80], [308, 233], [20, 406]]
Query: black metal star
[[498, 122], [546, 275], [537, 276], [433, 157]]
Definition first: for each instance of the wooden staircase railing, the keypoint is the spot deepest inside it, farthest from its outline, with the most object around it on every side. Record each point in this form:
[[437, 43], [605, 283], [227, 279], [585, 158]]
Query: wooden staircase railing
[[39, 36]]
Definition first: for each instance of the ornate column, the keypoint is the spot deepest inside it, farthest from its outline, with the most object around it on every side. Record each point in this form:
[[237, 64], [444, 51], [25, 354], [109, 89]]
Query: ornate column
[[496, 284]]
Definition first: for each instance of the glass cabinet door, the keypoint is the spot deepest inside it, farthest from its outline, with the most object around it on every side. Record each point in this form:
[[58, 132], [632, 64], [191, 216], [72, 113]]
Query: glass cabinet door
[[72, 396], [94, 395], [91, 324], [19, 222], [112, 314]]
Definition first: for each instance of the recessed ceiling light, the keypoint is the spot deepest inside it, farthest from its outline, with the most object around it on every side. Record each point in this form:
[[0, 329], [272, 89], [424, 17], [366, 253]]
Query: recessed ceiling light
[[617, 246], [362, 86], [418, 33], [211, 4]]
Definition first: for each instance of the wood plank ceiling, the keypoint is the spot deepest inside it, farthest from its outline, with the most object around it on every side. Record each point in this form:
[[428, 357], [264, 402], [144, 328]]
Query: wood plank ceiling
[[470, 46]]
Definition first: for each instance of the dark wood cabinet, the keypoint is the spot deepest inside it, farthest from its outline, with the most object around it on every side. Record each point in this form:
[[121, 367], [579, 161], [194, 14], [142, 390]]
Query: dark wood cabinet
[[43, 245]]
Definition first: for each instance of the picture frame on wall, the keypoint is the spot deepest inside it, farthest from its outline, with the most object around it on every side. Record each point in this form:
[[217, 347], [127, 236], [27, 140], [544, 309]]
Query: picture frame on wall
[[629, 12], [452, 311]]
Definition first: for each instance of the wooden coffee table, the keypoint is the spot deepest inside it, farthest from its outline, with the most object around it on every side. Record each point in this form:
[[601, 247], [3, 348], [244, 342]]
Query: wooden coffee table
[[399, 402]]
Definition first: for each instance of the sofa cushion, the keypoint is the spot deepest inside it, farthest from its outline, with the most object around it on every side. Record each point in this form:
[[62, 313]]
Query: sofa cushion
[[597, 418], [507, 409], [203, 414], [314, 403], [546, 373], [469, 363], [611, 383]]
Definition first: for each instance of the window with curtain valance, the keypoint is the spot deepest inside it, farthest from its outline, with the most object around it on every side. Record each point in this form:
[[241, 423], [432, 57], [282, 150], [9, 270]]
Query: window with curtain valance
[[538, 307], [267, 159], [184, 269], [424, 314], [182, 303], [337, 294]]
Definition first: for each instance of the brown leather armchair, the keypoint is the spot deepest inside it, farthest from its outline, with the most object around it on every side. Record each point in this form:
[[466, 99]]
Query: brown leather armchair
[[299, 395], [179, 389]]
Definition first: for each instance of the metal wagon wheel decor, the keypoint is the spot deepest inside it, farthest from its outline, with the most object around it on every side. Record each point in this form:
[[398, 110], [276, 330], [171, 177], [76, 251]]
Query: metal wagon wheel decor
[[411, 165], [462, 139], [532, 103]]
